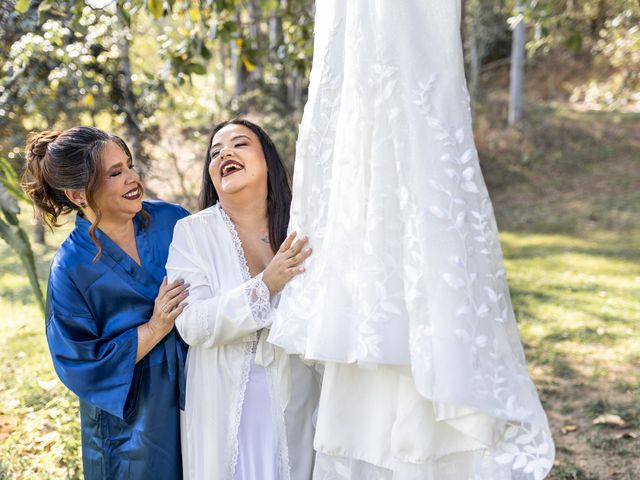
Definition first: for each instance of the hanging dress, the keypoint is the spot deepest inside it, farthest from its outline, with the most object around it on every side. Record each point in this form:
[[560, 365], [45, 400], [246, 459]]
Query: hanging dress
[[405, 299]]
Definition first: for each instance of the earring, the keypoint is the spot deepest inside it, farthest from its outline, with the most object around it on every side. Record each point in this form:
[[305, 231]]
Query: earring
[[83, 205]]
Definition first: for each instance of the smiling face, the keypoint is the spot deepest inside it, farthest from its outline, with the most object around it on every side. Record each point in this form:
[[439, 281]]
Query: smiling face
[[237, 161], [119, 192]]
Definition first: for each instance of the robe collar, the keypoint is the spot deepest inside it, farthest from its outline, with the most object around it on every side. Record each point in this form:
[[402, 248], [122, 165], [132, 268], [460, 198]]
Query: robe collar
[[142, 276]]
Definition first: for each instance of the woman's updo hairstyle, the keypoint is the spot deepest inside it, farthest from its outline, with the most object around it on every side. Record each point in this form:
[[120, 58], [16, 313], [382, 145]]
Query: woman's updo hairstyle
[[69, 160]]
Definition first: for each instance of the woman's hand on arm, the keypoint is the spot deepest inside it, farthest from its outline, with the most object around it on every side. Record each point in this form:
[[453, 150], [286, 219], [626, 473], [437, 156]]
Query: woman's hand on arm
[[286, 263], [168, 305]]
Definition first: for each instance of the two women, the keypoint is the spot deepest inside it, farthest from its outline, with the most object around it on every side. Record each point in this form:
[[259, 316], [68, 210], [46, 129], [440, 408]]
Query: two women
[[111, 311]]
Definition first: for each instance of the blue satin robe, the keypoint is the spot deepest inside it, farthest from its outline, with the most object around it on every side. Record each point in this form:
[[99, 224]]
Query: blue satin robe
[[129, 413]]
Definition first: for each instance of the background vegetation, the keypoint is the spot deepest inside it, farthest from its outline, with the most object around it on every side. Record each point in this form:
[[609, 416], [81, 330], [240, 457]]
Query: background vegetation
[[565, 180]]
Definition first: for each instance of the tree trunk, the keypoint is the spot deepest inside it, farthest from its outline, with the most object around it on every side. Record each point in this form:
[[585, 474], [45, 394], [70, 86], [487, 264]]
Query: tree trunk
[[294, 91], [276, 34], [128, 101], [473, 47], [516, 81], [242, 75], [38, 233], [277, 55], [255, 18]]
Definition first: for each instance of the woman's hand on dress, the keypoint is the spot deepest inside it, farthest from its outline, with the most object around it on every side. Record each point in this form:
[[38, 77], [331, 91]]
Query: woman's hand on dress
[[286, 263], [167, 306]]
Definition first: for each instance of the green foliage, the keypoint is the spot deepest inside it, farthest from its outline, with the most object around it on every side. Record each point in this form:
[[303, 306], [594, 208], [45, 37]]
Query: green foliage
[[155, 7], [577, 25], [39, 428], [66, 64], [11, 231], [22, 6]]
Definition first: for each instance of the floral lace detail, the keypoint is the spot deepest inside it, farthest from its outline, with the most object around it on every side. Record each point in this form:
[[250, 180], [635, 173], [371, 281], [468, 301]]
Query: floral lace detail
[[389, 189], [256, 291], [202, 317], [237, 244], [313, 160], [277, 412], [232, 440], [259, 298], [525, 446]]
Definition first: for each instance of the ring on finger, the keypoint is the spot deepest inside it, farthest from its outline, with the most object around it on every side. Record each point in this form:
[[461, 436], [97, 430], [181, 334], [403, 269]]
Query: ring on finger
[[165, 308]]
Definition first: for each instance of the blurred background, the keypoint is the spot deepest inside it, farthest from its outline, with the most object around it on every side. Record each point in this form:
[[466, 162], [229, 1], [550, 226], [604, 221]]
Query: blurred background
[[556, 100]]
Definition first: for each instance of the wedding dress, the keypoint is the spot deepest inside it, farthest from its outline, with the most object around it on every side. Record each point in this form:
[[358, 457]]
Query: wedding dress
[[405, 299]]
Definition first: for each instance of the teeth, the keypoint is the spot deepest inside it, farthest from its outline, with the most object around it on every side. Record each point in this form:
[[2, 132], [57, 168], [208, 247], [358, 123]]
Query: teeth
[[229, 168], [132, 194]]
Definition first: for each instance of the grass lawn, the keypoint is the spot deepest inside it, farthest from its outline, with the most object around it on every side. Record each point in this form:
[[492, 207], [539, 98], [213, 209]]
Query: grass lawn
[[571, 239], [39, 420]]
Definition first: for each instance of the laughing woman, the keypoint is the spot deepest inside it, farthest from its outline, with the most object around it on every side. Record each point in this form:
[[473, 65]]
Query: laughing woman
[[249, 407], [110, 314]]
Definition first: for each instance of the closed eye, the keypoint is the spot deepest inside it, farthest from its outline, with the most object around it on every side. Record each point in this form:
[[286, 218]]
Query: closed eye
[[118, 172], [240, 145]]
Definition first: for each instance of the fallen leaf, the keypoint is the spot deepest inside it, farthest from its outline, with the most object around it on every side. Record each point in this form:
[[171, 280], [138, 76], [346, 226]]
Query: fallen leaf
[[609, 419], [47, 385], [568, 429], [631, 435]]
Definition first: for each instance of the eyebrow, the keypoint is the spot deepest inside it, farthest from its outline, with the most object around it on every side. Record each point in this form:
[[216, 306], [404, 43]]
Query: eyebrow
[[116, 165], [232, 139]]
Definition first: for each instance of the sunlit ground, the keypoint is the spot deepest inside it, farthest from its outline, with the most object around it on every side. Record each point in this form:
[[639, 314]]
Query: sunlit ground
[[39, 431], [578, 304]]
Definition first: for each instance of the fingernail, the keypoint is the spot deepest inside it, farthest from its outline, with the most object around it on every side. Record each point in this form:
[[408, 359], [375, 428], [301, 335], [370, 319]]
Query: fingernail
[[307, 250], [301, 269]]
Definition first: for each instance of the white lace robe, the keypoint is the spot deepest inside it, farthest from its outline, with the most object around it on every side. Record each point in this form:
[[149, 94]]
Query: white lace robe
[[225, 326]]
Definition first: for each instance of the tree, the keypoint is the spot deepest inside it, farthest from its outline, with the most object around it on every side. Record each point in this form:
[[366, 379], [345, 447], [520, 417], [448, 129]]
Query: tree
[[11, 231], [516, 78]]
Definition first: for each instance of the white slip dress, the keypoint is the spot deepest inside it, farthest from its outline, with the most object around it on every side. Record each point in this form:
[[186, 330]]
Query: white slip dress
[[257, 438]]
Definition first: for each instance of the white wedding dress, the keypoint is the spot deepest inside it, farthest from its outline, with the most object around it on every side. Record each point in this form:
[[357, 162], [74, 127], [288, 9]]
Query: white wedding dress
[[405, 299]]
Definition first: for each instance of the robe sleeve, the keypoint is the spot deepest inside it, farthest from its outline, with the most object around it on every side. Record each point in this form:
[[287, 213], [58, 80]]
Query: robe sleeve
[[211, 320], [99, 370]]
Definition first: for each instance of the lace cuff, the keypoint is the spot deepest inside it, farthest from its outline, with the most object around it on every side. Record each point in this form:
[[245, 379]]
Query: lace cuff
[[259, 299]]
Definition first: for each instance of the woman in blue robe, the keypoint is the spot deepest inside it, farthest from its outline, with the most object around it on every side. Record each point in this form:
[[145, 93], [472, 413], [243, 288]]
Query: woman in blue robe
[[110, 312]]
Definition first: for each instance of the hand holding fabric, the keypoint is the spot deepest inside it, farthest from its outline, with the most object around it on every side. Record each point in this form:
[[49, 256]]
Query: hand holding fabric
[[286, 263]]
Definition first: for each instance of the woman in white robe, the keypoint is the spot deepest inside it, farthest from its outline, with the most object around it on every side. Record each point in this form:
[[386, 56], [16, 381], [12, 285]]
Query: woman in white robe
[[249, 406]]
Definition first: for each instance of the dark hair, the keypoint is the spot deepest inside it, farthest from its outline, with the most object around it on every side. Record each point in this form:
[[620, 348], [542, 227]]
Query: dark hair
[[278, 188], [70, 160]]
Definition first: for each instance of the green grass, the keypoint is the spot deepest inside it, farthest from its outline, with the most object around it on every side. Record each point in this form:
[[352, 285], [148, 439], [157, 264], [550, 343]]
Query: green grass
[[571, 238], [39, 432]]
